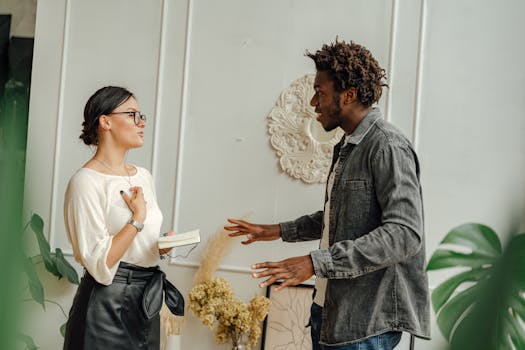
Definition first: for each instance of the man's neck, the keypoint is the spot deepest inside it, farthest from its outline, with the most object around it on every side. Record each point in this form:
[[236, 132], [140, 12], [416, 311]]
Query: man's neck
[[354, 118]]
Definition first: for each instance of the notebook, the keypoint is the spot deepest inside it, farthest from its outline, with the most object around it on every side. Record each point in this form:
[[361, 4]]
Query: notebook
[[179, 239]]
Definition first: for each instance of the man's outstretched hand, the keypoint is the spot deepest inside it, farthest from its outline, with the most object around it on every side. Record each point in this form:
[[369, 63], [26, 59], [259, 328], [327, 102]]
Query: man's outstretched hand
[[290, 271], [253, 232]]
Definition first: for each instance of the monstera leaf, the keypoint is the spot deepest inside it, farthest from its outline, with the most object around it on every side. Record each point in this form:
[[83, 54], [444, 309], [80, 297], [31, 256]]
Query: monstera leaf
[[488, 311]]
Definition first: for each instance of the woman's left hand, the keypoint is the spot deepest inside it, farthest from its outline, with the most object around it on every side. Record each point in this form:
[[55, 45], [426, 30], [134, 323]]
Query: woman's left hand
[[166, 250]]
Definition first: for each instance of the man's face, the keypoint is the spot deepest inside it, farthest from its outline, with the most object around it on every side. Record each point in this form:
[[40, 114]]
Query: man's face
[[326, 102]]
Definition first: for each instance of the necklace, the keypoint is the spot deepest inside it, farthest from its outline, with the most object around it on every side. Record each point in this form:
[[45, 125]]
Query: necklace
[[113, 170]]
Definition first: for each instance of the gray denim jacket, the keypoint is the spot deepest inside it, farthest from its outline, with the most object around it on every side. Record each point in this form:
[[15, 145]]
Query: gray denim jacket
[[375, 264]]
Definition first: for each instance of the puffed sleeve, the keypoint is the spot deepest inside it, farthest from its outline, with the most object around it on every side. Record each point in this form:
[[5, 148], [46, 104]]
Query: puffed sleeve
[[84, 217]]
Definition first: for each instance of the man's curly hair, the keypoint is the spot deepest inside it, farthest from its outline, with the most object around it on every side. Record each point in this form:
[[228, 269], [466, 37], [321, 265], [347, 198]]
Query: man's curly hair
[[351, 65]]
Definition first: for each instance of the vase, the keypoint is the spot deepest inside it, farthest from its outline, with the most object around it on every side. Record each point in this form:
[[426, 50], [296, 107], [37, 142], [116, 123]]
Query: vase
[[238, 342], [238, 347]]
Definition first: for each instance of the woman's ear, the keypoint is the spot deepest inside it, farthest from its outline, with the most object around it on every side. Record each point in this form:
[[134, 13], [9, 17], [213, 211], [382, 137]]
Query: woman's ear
[[103, 122]]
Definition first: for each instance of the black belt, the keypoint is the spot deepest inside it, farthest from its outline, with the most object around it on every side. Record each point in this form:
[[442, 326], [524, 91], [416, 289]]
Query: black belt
[[156, 285]]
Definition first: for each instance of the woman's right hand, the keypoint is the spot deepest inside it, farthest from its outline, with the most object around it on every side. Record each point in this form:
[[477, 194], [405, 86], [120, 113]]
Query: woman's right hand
[[136, 203], [254, 232]]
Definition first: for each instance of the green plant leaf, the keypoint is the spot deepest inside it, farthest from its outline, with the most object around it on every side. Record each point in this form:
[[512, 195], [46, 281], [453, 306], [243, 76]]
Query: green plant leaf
[[63, 330], [35, 286], [28, 341], [515, 260], [65, 268], [518, 305], [450, 313], [37, 225], [489, 314], [443, 292], [462, 337], [515, 330], [446, 258], [480, 238]]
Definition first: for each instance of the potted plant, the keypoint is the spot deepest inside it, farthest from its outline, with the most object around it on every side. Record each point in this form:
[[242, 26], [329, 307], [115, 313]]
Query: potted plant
[[54, 263]]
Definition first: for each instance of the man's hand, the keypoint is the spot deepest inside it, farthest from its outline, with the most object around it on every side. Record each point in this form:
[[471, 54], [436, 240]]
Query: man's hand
[[291, 271], [253, 232]]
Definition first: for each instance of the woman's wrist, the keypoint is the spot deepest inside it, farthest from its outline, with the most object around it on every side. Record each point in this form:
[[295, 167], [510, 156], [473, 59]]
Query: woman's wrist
[[139, 218]]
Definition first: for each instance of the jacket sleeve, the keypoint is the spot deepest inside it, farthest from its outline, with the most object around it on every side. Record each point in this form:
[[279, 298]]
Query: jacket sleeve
[[84, 219], [305, 228], [398, 192]]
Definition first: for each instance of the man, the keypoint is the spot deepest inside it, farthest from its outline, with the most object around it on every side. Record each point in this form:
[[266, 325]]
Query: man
[[370, 266]]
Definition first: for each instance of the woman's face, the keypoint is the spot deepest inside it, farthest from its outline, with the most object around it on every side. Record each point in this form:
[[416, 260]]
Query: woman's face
[[122, 127]]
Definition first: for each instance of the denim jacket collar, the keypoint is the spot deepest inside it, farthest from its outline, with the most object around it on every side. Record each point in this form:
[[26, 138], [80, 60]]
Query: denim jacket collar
[[358, 135], [364, 126]]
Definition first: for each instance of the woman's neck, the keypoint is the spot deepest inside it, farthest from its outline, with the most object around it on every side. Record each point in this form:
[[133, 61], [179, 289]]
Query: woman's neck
[[115, 159]]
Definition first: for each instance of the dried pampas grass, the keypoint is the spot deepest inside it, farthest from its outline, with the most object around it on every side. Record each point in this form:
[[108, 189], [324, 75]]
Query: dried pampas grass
[[216, 248]]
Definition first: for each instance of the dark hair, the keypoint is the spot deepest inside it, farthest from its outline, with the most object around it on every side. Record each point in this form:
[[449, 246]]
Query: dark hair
[[351, 65], [104, 101]]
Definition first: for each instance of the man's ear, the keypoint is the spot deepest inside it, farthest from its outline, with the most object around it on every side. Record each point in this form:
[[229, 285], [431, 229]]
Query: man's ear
[[350, 96]]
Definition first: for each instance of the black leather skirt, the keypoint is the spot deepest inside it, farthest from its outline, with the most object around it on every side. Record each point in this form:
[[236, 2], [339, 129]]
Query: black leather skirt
[[123, 315]]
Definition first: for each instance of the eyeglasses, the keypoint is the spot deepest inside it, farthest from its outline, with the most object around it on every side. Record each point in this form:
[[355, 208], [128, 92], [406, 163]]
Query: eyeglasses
[[137, 116]]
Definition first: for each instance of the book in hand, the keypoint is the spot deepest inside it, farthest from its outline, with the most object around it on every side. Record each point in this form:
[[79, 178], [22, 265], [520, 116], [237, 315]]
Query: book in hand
[[179, 239]]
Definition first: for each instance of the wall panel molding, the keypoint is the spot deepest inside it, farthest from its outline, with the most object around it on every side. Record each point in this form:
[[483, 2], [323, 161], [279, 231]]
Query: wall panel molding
[[58, 128], [419, 75], [391, 58], [403, 60], [89, 59], [183, 115], [157, 111], [46, 83]]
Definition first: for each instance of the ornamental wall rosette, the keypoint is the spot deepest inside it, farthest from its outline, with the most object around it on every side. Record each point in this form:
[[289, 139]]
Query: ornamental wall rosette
[[304, 148]]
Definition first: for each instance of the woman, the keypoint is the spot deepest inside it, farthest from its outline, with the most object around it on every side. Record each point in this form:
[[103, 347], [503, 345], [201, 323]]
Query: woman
[[113, 223]]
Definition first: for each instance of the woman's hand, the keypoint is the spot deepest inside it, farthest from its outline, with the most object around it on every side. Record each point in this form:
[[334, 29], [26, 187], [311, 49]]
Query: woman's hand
[[166, 250], [136, 203], [122, 240], [254, 232]]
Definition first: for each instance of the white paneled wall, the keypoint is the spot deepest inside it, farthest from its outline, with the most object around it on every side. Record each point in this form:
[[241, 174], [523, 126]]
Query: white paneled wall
[[207, 73]]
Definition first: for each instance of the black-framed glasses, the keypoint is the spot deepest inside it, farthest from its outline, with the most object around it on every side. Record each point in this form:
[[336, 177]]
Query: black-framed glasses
[[137, 116]]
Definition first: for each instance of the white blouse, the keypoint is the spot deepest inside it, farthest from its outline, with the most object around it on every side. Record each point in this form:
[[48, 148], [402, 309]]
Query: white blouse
[[94, 211]]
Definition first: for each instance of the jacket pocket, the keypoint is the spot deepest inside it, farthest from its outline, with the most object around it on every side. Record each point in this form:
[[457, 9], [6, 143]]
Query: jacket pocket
[[353, 202], [356, 185]]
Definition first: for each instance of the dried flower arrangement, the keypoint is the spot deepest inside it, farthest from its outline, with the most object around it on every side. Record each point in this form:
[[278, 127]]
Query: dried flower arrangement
[[212, 299]]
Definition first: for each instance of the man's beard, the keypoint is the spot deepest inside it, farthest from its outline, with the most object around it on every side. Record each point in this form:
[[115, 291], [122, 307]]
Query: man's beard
[[335, 114]]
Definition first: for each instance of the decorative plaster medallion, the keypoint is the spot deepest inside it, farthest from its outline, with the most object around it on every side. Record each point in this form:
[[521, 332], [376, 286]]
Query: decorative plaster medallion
[[304, 148]]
